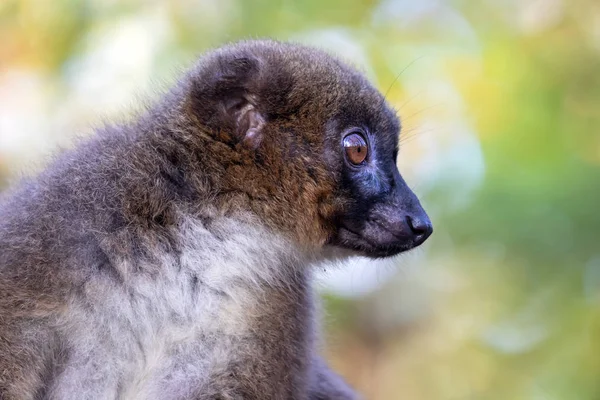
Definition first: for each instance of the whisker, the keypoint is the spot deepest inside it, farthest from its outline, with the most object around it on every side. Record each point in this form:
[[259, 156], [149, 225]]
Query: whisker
[[398, 76], [409, 138], [409, 100], [421, 111]]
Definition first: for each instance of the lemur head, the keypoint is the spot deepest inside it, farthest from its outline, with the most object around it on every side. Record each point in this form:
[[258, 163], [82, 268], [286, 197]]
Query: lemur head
[[309, 144]]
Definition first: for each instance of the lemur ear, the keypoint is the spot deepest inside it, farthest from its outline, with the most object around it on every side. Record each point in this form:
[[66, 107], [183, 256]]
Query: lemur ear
[[250, 123], [228, 93]]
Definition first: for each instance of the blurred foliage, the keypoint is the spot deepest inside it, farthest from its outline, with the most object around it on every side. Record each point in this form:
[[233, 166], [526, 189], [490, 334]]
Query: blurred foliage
[[501, 108]]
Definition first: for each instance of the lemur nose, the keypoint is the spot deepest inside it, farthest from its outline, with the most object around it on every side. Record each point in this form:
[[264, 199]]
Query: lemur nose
[[421, 227]]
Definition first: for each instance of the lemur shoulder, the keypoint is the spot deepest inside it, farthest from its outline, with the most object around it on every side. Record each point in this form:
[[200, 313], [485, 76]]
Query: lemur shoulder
[[171, 257]]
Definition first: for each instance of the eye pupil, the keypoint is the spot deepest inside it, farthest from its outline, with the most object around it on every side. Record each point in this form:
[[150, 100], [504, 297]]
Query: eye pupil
[[356, 148]]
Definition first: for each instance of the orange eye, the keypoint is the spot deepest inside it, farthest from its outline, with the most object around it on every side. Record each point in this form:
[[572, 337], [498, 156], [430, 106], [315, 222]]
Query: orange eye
[[356, 148]]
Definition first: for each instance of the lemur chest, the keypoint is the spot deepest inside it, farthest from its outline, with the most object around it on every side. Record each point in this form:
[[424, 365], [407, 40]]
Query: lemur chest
[[165, 340], [188, 335], [219, 303]]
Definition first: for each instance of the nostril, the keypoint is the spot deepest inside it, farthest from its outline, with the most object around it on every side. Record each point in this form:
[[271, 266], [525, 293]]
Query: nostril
[[420, 227]]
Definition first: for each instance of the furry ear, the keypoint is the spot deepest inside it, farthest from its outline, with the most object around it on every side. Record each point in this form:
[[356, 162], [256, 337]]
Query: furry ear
[[250, 123], [226, 94]]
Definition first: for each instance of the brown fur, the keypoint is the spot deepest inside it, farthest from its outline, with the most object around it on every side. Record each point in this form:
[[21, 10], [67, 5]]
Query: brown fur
[[251, 135]]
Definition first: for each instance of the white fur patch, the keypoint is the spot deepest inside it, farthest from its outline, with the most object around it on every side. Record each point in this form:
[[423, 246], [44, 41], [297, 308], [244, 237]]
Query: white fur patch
[[162, 335]]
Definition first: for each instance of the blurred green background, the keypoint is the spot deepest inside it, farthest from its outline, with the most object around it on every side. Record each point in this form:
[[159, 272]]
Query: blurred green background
[[500, 102]]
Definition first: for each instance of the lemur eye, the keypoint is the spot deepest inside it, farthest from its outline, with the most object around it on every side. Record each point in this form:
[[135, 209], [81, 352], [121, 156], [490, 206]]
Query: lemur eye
[[356, 148]]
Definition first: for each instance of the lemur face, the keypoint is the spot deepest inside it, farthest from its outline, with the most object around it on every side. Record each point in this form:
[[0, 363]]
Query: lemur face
[[311, 144], [382, 216]]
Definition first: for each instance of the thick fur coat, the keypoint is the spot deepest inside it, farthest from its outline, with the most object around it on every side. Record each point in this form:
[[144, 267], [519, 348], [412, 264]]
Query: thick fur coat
[[170, 258]]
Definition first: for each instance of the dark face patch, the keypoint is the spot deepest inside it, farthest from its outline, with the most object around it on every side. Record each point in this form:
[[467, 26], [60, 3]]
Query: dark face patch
[[382, 216]]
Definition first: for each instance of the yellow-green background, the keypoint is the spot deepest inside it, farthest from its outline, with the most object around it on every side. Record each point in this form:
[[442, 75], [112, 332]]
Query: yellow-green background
[[501, 108]]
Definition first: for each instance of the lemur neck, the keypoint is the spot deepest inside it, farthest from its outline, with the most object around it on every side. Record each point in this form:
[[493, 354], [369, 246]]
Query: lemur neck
[[238, 250]]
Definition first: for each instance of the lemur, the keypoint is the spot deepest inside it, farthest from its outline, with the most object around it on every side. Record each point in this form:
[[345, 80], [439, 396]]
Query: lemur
[[171, 257]]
